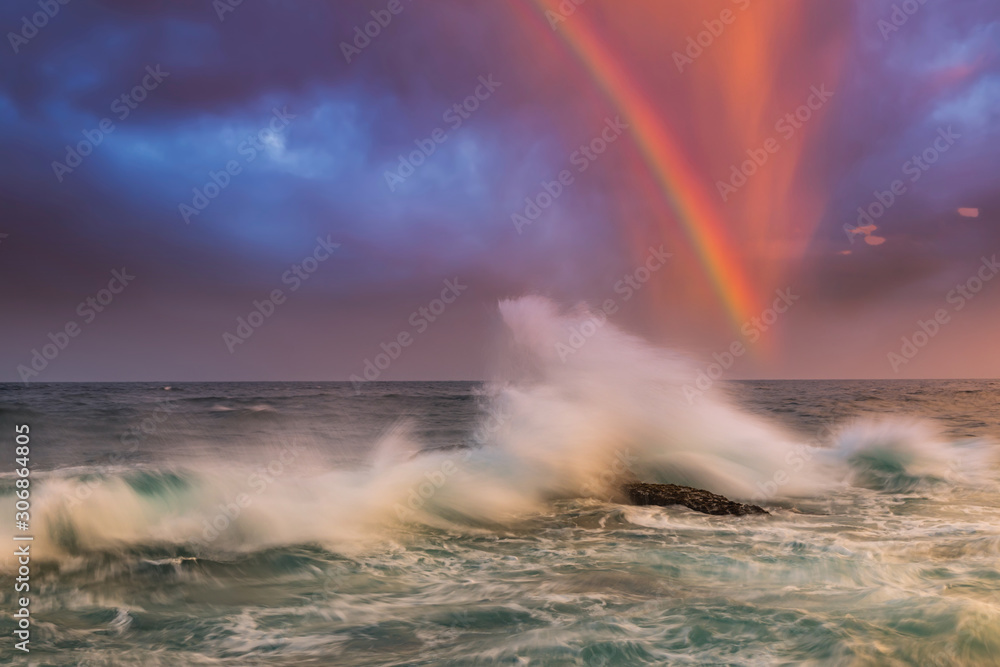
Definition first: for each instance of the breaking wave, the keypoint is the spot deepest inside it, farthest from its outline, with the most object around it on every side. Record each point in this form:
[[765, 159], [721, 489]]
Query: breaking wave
[[555, 425]]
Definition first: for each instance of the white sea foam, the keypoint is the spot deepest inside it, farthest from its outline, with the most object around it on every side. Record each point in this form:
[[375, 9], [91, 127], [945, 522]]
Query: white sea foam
[[559, 426]]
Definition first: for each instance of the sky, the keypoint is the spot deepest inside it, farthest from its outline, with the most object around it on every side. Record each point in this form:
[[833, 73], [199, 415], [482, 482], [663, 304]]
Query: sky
[[284, 191]]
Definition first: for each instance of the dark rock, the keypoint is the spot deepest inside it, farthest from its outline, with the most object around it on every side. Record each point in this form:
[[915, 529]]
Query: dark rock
[[640, 493]]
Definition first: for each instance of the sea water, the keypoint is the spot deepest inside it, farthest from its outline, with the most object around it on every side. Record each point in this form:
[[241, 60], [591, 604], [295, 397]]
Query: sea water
[[475, 523]]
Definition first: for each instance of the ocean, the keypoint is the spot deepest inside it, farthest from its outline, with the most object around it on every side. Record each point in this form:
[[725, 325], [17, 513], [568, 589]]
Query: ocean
[[480, 523], [391, 524]]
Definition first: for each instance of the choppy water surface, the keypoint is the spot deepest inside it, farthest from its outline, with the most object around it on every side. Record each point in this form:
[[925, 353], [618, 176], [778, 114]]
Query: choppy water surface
[[474, 524], [898, 562]]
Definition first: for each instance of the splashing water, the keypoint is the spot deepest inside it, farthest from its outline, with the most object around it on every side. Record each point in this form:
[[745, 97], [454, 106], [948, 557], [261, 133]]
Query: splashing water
[[456, 523], [559, 425]]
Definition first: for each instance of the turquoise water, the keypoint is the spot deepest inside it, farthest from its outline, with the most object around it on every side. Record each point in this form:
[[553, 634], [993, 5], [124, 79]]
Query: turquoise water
[[896, 561]]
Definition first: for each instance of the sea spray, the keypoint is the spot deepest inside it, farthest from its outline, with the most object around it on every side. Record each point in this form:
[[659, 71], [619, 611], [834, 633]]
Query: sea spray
[[567, 421], [549, 430], [905, 452]]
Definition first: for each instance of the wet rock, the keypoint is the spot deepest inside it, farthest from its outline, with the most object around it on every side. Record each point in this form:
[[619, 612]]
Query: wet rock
[[641, 493]]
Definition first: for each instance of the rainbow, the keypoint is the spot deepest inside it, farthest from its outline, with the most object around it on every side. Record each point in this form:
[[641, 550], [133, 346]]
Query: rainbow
[[677, 180]]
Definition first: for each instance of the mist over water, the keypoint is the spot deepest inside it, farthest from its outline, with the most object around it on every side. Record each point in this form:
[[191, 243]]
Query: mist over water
[[464, 523]]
